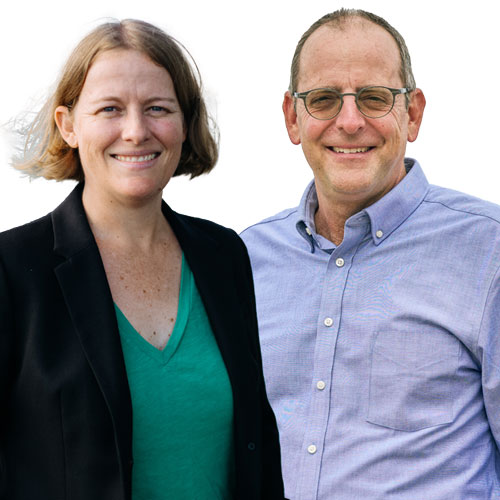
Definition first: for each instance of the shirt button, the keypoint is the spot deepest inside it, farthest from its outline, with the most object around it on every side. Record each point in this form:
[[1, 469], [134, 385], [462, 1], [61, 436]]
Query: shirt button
[[340, 262], [328, 322], [320, 385], [379, 234], [311, 449]]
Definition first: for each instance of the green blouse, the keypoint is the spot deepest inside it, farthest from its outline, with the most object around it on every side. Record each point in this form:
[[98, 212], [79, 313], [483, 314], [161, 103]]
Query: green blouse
[[182, 407]]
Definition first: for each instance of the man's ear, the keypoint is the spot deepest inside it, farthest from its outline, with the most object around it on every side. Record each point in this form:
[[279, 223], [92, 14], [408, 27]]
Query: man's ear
[[64, 122], [291, 118], [415, 114]]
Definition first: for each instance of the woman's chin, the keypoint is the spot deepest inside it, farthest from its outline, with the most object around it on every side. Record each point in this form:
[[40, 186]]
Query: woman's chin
[[143, 193], [137, 191]]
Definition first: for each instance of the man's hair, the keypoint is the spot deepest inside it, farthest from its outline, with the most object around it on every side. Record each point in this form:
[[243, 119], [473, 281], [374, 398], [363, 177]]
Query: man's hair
[[45, 152], [338, 19]]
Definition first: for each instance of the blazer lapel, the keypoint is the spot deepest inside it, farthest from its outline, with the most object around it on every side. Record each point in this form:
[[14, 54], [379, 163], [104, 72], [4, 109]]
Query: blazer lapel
[[214, 277], [86, 292]]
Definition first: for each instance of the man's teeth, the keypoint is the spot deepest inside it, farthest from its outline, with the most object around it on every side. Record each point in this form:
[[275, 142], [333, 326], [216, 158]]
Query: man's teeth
[[350, 150], [136, 159]]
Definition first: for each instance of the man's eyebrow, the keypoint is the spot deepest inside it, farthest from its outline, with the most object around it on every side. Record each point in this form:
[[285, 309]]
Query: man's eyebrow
[[357, 89]]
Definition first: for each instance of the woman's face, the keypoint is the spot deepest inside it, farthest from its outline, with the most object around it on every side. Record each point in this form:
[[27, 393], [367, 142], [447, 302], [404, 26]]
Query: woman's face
[[128, 128]]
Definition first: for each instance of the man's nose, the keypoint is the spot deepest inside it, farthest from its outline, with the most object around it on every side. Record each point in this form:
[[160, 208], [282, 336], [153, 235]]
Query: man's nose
[[350, 119]]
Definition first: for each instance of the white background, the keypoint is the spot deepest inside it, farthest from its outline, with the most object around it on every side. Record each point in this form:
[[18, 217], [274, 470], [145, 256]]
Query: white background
[[244, 50]]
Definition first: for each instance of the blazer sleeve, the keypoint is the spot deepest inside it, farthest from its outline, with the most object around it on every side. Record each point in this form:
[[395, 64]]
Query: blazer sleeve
[[6, 336]]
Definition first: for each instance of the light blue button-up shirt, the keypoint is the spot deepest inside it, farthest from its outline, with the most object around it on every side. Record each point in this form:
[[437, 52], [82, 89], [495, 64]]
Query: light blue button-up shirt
[[382, 355]]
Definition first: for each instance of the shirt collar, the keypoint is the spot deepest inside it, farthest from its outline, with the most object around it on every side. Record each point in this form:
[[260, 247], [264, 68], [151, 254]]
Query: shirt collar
[[385, 215], [305, 215]]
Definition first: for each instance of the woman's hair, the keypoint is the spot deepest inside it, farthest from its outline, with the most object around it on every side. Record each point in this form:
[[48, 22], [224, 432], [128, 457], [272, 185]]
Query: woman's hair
[[46, 154]]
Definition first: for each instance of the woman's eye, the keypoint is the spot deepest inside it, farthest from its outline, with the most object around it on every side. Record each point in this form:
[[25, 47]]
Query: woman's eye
[[109, 109], [158, 110]]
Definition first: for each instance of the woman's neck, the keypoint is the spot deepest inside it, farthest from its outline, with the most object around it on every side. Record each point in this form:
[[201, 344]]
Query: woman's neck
[[122, 224]]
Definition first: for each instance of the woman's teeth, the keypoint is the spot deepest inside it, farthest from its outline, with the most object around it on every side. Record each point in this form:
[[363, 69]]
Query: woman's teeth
[[136, 159]]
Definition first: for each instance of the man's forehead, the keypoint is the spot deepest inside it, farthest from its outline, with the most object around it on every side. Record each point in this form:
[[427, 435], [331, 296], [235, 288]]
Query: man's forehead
[[348, 31], [355, 40]]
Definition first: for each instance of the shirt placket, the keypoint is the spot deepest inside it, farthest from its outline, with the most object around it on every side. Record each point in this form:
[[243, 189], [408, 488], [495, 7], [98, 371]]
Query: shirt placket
[[327, 330]]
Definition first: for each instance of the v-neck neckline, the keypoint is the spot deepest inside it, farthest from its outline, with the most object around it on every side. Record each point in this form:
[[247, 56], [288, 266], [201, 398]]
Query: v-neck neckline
[[129, 334]]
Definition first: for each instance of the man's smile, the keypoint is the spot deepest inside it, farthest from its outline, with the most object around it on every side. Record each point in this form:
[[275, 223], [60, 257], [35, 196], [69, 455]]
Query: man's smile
[[336, 149]]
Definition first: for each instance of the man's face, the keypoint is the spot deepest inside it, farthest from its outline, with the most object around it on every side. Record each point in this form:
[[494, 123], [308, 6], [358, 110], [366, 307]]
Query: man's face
[[355, 160]]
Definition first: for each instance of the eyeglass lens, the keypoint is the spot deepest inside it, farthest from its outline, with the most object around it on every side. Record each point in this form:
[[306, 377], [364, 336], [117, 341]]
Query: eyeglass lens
[[373, 102]]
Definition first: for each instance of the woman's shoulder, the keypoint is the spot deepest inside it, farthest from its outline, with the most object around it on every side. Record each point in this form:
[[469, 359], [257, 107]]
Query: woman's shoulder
[[201, 227], [32, 230], [207, 225], [40, 233], [205, 232], [30, 238]]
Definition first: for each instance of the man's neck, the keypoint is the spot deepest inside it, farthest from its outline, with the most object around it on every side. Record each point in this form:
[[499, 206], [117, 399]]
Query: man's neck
[[330, 222], [334, 209], [332, 213]]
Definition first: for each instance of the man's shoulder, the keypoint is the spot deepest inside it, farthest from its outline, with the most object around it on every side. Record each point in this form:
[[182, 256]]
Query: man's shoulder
[[271, 238], [462, 203], [269, 224]]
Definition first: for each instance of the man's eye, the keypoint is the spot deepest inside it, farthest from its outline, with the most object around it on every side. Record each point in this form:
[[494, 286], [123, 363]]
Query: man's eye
[[374, 97], [109, 109], [323, 99]]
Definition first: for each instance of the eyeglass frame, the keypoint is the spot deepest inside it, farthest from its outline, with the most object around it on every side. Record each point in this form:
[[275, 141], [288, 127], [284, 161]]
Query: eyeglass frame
[[394, 92]]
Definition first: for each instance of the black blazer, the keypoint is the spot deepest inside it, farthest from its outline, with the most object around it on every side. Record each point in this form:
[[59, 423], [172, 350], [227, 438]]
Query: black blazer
[[66, 415]]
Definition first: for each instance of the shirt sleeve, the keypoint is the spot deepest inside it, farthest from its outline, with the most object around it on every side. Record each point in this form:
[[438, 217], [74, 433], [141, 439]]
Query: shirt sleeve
[[489, 353]]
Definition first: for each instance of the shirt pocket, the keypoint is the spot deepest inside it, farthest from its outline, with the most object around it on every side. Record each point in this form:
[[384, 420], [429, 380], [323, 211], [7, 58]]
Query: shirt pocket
[[413, 379]]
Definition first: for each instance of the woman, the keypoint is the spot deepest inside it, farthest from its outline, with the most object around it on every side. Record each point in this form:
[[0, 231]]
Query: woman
[[122, 376]]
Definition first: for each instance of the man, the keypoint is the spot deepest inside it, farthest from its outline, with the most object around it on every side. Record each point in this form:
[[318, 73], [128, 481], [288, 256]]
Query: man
[[379, 295]]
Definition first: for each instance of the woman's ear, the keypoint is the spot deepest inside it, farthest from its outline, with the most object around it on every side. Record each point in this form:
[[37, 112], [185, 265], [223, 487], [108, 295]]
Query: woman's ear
[[64, 122]]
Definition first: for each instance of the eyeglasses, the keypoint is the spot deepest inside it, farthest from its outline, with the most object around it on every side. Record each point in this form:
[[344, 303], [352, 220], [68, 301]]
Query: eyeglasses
[[373, 102]]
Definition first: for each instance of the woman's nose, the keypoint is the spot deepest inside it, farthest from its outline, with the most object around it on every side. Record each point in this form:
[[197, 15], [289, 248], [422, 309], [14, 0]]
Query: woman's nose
[[135, 127]]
